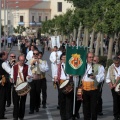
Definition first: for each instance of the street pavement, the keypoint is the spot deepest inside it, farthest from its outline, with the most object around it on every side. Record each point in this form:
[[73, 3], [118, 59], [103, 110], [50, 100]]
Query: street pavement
[[51, 112]]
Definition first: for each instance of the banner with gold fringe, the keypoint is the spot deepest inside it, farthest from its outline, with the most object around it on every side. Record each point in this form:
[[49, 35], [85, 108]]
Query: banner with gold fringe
[[76, 60]]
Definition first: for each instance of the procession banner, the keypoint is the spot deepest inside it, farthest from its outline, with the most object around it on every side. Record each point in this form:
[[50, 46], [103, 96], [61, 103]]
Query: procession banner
[[76, 60], [55, 40]]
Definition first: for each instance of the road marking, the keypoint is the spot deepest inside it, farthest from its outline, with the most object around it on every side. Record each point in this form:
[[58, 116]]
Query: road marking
[[49, 114]]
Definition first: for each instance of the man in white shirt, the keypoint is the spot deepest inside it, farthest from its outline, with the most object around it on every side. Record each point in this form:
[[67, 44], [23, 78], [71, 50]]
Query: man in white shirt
[[113, 79], [30, 53], [93, 75], [55, 60], [43, 85], [19, 73], [65, 100]]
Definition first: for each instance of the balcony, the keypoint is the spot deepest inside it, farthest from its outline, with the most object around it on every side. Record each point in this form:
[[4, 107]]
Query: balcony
[[21, 23], [35, 24]]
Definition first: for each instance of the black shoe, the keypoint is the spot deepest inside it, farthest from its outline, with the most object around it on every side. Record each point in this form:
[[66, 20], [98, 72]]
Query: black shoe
[[44, 106], [116, 118], [21, 118], [3, 118], [77, 116], [31, 112], [100, 113], [58, 107], [37, 110], [15, 118]]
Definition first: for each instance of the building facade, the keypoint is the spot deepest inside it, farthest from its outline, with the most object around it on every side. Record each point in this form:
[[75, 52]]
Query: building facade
[[31, 13]]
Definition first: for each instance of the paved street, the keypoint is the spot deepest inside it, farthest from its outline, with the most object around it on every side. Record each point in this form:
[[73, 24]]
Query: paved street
[[51, 112]]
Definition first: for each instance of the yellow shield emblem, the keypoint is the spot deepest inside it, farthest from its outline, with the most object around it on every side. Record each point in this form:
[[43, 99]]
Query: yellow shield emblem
[[75, 61]]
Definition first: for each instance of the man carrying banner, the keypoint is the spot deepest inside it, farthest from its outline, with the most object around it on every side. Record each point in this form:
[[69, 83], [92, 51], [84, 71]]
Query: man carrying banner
[[94, 74], [75, 65]]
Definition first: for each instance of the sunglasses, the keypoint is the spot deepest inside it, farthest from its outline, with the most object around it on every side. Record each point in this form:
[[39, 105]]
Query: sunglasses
[[35, 53], [13, 56]]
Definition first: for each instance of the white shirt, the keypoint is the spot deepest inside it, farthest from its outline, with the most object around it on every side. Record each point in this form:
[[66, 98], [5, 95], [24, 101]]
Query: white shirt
[[29, 55], [53, 57], [44, 66], [9, 40], [6, 67], [115, 73], [63, 75], [20, 69], [99, 77]]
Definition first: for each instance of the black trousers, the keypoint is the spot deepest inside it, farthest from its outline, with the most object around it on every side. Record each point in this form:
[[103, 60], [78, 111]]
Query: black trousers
[[8, 93], [100, 102], [19, 105], [116, 103], [66, 105], [2, 100], [43, 89], [90, 104], [35, 94]]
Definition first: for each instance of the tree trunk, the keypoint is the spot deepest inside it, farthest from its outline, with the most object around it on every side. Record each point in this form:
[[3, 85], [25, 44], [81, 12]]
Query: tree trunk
[[87, 37], [84, 37], [75, 33], [110, 48], [92, 40], [79, 34], [97, 47], [101, 45]]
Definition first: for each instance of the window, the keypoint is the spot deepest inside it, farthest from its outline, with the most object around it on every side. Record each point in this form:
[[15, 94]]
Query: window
[[33, 19], [59, 6], [46, 18], [39, 18], [21, 18]]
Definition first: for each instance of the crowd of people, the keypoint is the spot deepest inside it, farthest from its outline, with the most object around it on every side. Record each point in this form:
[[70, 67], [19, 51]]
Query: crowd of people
[[30, 68]]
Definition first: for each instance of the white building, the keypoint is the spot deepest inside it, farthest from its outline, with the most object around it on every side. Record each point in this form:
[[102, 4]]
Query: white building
[[30, 13]]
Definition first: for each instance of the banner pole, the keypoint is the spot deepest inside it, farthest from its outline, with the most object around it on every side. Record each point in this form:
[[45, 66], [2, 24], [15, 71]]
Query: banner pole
[[74, 79]]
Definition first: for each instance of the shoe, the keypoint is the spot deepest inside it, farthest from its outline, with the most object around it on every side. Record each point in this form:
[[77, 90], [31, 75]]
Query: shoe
[[116, 118], [31, 112], [100, 113], [21, 118], [3, 118], [77, 116], [58, 107], [44, 106], [37, 110], [15, 118]]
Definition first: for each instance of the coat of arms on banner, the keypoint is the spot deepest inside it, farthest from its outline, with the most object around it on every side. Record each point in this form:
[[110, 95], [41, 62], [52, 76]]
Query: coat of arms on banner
[[75, 61]]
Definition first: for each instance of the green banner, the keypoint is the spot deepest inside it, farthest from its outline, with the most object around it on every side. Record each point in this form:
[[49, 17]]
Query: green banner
[[75, 60]]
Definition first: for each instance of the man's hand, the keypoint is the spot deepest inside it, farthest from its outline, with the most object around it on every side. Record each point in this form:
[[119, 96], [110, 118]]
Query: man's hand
[[55, 79], [111, 85]]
